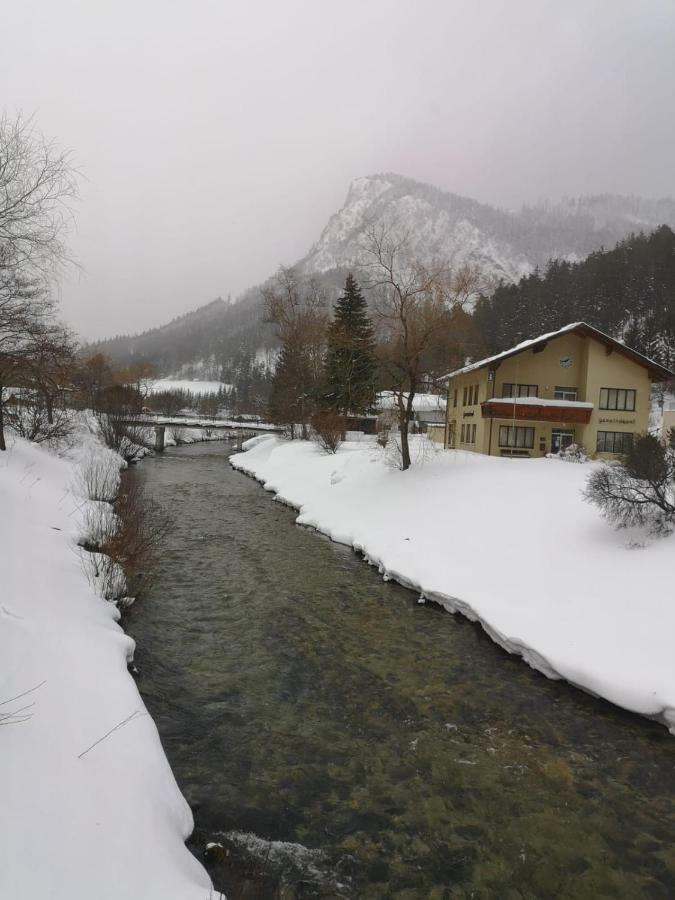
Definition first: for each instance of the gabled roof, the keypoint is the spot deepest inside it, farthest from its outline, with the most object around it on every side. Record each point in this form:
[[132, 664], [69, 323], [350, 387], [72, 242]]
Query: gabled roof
[[656, 371]]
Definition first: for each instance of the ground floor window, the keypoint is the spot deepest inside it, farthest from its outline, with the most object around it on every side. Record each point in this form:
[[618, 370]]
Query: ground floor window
[[561, 439], [468, 434], [614, 441], [514, 436]]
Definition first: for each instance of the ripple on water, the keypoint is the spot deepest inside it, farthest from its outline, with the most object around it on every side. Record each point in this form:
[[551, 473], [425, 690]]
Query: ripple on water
[[305, 703]]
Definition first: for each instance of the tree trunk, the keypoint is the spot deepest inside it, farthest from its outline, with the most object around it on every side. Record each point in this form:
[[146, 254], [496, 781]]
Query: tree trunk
[[404, 417], [49, 404]]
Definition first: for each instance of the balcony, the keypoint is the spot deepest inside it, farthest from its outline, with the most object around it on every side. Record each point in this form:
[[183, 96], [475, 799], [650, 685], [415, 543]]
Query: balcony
[[537, 409]]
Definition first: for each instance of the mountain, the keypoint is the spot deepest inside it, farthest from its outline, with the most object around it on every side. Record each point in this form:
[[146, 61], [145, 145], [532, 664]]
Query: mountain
[[503, 245], [627, 292], [232, 342]]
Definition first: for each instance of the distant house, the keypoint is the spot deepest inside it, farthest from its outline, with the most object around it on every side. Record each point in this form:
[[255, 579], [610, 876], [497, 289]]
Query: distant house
[[573, 386], [428, 410]]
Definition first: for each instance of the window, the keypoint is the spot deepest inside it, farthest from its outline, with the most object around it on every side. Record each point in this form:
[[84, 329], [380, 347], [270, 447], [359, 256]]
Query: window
[[473, 434], [520, 390], [461, 439], [514, 436], [617, 398], [470, 434], [565, 393], [476, 388], [454, 401], [464, 398], [614, 441]]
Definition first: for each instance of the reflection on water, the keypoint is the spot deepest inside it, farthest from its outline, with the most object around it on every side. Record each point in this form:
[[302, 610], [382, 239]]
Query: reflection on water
[[302, 701]]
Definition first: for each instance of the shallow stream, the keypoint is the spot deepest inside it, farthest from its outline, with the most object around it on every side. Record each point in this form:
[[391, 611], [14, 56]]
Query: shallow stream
[[341, 740]]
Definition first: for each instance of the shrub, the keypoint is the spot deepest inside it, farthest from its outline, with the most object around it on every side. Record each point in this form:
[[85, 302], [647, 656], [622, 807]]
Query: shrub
[[130, 441], [32, 422], [638, 490], [328, 430], [572, 453]]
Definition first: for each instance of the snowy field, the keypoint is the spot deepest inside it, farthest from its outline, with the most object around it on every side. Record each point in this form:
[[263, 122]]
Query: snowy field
[[84, 815], [194, 387], [509, 543]]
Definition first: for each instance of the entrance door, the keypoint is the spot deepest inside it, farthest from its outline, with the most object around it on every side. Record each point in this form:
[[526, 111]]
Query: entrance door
[[560, 440]]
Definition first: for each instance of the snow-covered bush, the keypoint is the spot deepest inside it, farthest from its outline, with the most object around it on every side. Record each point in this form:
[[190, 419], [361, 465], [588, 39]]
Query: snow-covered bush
[[98, 476], [640, 490], [422, 450], [33, 422], [572, 453], [130, 441]]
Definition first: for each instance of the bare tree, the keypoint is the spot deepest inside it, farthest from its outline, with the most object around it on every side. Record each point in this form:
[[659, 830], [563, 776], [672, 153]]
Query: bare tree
[[26, 321], [413, 306], [298, 308], [37, 186]]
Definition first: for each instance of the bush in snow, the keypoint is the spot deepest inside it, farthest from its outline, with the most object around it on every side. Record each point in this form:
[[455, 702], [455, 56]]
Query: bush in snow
[[640, 489], [99, 476], [328, 430], [34, 422], [129, 441], [572, 453]]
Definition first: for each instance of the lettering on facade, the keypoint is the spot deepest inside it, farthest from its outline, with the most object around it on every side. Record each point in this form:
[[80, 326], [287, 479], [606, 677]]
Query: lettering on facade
[[609, 420]]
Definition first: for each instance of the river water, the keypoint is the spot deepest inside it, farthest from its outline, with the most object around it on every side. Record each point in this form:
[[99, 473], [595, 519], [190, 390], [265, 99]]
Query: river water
[[338, 739]]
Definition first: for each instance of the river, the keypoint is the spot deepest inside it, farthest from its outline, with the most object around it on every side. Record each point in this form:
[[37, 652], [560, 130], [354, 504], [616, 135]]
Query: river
[[339, 739]]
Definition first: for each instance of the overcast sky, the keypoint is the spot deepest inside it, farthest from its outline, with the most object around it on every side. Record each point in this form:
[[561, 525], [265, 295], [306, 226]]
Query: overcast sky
[[217, 137]]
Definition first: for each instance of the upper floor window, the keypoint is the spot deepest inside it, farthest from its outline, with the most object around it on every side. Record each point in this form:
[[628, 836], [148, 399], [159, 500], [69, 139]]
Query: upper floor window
[[565, 393], [520, 390], [454, 401], [617, 398], [614, 441]]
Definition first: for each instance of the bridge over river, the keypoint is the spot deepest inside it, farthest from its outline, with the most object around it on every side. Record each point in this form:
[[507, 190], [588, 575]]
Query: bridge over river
[[239, 429]]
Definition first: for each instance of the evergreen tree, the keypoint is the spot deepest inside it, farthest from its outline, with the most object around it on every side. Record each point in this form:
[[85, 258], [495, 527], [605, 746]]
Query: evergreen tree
[[627, 292], [350, 359]]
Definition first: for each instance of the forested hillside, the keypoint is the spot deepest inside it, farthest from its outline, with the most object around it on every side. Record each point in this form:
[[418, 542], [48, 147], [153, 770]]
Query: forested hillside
[[627, 292]]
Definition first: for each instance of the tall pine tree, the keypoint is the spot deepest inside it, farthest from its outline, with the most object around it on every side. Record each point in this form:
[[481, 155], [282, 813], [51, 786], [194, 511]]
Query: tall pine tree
[[350, 359]]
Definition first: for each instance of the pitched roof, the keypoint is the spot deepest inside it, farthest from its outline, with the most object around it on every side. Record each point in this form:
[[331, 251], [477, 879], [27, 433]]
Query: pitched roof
[[656, 370]]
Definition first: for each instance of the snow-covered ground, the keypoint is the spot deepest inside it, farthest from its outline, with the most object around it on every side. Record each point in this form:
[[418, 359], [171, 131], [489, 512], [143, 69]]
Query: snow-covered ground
[[183, 384], [90, 807], [509, 543]]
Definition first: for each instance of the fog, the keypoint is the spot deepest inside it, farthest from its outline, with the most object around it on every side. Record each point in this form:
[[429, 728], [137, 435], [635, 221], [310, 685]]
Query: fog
[[215, 138]]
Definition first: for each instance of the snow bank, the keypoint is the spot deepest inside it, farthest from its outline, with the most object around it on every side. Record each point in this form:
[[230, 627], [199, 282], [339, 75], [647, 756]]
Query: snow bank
[[81, 817], [508, 543]]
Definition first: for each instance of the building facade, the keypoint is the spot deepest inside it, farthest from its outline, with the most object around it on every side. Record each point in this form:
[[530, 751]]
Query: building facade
[[573, 386]]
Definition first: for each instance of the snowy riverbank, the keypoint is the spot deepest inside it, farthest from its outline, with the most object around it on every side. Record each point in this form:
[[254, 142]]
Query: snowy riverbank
[[80, 819], [509, 543]]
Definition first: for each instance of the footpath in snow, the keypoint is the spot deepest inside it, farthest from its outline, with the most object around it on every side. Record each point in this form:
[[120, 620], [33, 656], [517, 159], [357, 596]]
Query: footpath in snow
[[509, 543], [80, 819]]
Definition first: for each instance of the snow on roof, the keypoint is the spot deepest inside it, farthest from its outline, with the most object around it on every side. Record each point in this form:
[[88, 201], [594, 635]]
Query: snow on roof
[[522, 346], [541, 401], [656, 370], [421, 402]]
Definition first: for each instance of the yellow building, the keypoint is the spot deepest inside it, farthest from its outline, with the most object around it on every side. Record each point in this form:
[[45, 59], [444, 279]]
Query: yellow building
[[573, 386]]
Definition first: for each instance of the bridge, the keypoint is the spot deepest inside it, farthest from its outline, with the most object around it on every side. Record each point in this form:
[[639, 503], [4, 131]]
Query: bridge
[[160, 424]]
